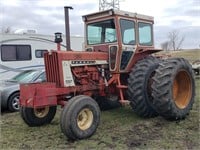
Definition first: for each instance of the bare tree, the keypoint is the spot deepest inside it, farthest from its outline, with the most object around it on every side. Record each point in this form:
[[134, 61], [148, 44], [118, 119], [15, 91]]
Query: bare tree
[[175, 40]]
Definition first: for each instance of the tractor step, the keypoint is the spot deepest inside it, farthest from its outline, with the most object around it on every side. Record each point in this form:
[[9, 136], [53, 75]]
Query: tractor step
[[124, 102], [122, 86]]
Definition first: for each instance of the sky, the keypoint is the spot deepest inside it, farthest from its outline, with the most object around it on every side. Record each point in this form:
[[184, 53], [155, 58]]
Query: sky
[[47, 16]]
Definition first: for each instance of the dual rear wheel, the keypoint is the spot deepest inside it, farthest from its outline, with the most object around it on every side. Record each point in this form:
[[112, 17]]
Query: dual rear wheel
[[173, 89], [163, 88], [139, 86]]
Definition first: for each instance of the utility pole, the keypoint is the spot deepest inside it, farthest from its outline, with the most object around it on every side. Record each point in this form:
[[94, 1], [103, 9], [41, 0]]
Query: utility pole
[[109, 4]]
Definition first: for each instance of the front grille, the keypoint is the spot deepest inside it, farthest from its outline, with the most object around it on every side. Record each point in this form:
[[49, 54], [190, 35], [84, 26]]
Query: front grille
[[52, 67]]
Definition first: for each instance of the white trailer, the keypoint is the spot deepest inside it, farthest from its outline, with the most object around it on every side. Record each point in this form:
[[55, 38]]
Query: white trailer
[[20, 52]]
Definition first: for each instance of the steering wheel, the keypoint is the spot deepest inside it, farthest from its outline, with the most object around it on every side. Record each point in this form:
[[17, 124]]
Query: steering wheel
[[132, 42]]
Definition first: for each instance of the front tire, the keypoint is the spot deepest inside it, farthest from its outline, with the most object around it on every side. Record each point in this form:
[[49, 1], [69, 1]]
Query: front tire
[[173, 89], [80, 118], [38, 116], [139, 87]]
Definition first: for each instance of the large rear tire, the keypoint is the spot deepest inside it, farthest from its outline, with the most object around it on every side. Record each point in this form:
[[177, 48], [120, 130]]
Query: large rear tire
[[173, 89], [38, 116], [139, 86], [80, 118]]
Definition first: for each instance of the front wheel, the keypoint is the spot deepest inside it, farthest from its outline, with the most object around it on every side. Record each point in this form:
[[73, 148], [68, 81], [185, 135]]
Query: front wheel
[[38, 116], [80, 118]]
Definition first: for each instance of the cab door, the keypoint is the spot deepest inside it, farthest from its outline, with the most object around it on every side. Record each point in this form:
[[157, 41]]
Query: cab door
[[129, 40]]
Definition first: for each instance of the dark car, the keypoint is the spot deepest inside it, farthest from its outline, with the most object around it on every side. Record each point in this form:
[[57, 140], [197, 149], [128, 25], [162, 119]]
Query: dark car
[[10, 89], [196, 67]]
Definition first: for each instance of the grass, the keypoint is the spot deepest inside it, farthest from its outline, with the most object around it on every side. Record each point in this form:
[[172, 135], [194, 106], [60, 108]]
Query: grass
[[190, 55], [119, 129]]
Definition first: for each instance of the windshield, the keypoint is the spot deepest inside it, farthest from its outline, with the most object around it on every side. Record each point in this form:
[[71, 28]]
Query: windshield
[[25, 76], [101, 32]]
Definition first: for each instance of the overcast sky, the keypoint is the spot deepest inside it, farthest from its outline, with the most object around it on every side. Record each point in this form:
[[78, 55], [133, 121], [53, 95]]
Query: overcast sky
[[47, 16]]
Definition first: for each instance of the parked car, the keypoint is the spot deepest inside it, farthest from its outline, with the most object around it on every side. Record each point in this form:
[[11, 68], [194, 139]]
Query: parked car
[[196, 67], [10, 89]]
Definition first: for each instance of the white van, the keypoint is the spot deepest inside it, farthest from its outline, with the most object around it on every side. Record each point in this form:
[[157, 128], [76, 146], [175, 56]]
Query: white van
[[20, 52]]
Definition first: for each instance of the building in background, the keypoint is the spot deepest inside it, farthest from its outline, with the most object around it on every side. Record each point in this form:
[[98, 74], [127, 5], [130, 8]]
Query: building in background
[[19, 52]]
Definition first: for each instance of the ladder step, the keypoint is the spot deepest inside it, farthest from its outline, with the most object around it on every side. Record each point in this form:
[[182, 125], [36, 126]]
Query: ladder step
[[124, 102], [122, 86]]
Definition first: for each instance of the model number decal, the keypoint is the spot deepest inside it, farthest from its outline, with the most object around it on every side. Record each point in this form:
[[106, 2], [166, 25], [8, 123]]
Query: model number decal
[[83, 62], [67, 74]]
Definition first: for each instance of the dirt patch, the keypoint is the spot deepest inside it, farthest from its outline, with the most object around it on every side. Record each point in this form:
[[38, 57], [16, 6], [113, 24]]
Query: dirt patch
[[142, 133]]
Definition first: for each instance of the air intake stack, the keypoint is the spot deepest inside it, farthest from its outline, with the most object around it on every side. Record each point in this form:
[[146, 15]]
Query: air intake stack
[[67, 30]]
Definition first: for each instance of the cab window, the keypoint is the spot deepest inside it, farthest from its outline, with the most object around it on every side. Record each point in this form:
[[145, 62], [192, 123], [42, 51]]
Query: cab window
[[145, 34]]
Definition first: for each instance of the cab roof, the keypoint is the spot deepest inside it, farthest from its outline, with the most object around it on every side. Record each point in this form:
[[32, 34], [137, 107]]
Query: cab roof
[[112, 12]]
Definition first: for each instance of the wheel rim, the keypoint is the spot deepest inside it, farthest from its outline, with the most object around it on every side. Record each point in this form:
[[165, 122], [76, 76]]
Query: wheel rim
[[85, 119], [15, 103], [41, 112], [182, 89]]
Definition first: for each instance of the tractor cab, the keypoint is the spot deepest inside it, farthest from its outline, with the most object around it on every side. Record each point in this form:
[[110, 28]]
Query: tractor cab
[[121, 34]]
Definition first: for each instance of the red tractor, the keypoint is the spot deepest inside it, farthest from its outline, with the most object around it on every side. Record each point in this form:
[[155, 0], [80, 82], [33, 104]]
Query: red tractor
[[117, 66]]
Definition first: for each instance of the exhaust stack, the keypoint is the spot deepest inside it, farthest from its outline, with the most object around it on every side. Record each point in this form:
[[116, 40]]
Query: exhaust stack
[[67, 31]]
